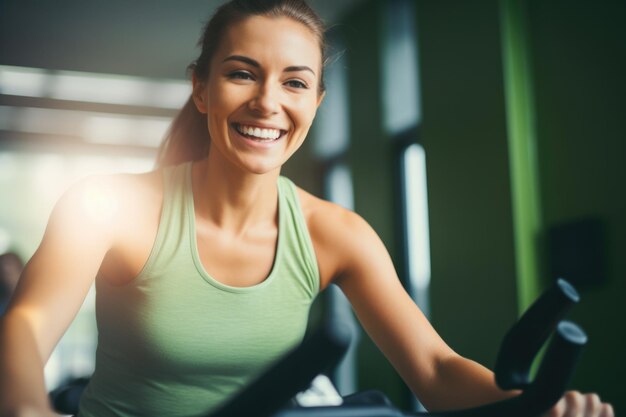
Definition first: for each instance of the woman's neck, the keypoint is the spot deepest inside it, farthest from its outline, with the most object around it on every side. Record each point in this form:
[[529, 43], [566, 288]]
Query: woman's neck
[[232, 200]]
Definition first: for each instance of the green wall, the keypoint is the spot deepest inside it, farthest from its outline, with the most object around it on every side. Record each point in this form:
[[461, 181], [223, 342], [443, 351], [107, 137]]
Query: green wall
[[464, 132], [577, 60], [579, 63]]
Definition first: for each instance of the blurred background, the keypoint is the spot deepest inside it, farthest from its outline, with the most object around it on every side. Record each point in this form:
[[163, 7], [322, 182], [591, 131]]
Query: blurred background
[[484, 140]]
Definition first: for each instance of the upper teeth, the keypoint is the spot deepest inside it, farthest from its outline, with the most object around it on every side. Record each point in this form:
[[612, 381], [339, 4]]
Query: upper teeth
[[258, 132]]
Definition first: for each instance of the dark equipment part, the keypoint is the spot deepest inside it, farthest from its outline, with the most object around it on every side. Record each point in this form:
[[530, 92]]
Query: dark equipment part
[[523, 341]]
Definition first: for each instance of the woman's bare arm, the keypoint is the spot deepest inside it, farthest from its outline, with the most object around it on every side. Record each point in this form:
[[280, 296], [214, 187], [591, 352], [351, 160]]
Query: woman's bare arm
[[440, 378], [394, 322], [50, 292]]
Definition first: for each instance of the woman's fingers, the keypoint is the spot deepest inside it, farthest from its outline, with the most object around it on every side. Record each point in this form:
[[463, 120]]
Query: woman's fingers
[[575, 404], [593, 406], [606, 410]]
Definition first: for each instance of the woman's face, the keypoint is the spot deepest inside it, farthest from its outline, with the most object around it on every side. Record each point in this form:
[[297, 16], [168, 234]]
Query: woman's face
[[261, 94]]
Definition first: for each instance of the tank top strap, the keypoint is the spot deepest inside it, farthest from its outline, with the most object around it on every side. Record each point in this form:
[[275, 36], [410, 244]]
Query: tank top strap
[[173, 230], [299, 252]]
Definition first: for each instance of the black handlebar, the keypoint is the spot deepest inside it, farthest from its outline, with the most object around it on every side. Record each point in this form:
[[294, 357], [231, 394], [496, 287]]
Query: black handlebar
[[271, 392], [557, 366], [523, 341]]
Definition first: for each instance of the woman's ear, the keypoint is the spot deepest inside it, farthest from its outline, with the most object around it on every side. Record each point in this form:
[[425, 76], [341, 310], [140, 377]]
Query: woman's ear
[[198, 93]]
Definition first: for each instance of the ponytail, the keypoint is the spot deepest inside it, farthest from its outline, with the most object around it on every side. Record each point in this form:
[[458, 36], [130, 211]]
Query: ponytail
[[187, 139]]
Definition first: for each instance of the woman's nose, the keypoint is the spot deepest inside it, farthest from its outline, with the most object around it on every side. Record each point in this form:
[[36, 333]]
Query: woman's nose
[[266, 100]]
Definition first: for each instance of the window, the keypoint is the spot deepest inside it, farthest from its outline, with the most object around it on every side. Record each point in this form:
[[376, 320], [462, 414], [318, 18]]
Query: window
[[416, 220]]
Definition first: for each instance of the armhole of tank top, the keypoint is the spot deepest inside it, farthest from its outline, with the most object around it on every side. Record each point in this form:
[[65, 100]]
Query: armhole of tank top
[[167, 178], [311, 259]]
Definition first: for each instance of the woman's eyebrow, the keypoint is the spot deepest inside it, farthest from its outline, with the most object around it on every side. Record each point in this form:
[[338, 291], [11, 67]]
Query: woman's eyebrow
[[252, 62], [296, 68], [243, 59]]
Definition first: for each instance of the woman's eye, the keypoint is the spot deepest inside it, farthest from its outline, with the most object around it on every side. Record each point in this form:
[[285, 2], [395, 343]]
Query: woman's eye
[[240, 75], [296, 84]]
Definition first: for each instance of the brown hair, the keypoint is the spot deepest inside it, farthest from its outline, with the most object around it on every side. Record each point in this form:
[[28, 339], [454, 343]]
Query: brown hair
[[188, 137]]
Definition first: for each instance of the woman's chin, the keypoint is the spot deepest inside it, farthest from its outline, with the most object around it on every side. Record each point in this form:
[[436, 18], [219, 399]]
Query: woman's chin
[[259, 167]]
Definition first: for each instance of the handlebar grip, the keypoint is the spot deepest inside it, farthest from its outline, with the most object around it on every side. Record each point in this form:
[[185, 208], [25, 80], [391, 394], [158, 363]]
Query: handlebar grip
[[292, 374], [524, 340], [557, 366]]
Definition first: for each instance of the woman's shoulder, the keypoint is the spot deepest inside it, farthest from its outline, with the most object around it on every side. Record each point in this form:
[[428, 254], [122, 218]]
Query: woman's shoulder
[[320, 213], [112, 199], [119, 188], [339, 235]]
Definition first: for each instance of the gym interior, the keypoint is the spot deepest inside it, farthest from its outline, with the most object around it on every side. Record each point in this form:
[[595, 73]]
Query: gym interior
[[483, 140]]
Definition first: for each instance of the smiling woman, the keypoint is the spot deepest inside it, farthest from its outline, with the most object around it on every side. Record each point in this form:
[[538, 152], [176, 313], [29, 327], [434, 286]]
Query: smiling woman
[[206, 268], [188, 137], [260, 101]]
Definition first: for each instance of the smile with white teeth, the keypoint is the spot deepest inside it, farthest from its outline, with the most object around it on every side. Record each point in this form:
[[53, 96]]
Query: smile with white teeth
[[257, 133]]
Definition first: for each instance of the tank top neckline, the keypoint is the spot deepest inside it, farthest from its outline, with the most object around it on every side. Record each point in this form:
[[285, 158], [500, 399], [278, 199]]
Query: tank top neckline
[[191, 214]]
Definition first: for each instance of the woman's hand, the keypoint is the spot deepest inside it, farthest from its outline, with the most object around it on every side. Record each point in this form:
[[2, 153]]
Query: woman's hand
[[576, 404]]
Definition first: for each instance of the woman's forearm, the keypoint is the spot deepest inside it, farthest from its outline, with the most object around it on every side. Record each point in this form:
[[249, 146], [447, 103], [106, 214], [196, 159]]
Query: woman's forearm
[[22, 384], [462, 383]]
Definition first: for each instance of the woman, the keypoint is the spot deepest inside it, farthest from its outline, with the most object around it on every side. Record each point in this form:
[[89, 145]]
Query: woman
[[206, 267]]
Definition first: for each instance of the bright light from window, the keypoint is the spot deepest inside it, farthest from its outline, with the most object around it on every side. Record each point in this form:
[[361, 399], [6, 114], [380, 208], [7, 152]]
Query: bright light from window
[[417, 218], [118, 129], [5, 241], [93, 88], [18, 81], [108, 128], [400, 73], [97, 89], [94, 127]]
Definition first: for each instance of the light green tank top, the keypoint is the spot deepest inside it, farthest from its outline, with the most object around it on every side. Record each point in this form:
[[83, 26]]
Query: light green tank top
[[176, 342]]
